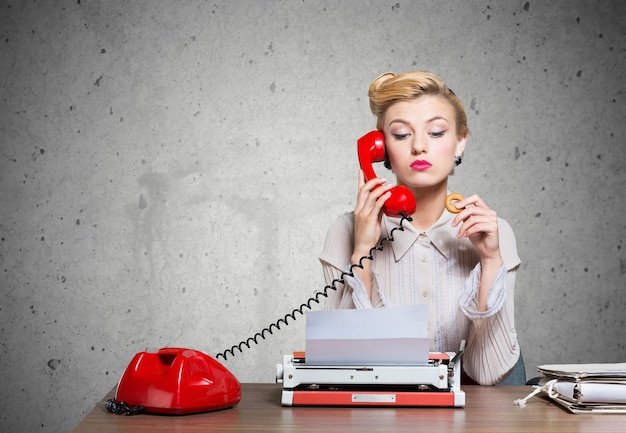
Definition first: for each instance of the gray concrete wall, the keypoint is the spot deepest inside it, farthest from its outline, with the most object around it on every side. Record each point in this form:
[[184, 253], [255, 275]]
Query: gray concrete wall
[[169, 169]]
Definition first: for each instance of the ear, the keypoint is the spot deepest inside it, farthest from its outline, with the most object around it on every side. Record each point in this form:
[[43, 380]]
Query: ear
[[460, 145]]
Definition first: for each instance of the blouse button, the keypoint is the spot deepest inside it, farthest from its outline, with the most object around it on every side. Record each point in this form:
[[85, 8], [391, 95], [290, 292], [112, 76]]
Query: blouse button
[[423, 259], [425, 294]]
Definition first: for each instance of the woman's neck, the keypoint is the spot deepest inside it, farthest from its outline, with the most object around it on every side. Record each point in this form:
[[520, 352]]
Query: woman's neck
[[430, 205]]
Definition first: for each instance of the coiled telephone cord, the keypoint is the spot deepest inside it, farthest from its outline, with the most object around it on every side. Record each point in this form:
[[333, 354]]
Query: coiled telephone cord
[[308, 305], [121, 407]]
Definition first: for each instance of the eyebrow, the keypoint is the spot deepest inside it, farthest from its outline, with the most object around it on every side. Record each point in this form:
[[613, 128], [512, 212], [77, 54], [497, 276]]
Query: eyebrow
[[432, 119], [436, 118]]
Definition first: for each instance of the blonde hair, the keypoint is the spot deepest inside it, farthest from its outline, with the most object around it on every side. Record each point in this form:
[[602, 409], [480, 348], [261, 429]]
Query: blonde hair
[[389, 87]]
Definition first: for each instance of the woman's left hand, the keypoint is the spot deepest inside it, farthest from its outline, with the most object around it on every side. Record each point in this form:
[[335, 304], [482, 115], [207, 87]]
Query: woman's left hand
[[479, 223]]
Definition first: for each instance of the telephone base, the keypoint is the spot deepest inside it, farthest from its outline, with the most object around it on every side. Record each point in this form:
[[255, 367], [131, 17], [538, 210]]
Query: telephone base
[[176, 381]]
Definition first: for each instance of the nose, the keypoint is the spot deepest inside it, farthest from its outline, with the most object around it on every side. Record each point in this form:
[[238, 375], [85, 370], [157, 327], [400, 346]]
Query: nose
[[418, 146]]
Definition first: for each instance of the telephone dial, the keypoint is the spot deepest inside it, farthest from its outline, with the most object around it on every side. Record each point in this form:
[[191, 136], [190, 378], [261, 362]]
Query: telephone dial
[[371, 148], [178, 381]]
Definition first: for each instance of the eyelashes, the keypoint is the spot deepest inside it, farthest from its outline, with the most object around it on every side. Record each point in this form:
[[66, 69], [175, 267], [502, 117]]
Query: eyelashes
[[401, 136], [436, 134]]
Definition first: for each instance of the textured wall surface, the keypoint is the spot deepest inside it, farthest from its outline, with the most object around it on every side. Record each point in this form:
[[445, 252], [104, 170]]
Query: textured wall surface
[[169, 169]]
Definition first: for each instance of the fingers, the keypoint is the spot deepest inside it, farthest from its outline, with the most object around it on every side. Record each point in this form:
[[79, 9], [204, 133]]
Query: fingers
[[478, 225], [371, 197], [469, 206], [372, 194], [476, 217], [473, 200]]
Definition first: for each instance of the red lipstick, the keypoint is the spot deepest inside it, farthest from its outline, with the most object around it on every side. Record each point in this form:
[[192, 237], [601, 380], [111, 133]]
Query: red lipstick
[[421, 165]]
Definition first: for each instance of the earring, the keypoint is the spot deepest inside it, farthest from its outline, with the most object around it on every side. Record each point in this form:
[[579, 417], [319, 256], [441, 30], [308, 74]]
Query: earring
[[458, 160], [387, 164]]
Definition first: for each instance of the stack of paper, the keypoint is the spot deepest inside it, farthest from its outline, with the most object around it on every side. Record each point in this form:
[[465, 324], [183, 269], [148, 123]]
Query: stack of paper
[[586, 388]]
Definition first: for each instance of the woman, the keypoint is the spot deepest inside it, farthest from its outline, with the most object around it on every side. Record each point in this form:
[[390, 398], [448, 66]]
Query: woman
[[461, 264]]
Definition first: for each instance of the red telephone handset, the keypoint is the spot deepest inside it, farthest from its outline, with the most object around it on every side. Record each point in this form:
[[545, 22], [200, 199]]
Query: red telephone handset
[[371, 148]]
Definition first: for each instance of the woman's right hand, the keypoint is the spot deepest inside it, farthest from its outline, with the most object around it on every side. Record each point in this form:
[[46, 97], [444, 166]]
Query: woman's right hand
[[368, 214]]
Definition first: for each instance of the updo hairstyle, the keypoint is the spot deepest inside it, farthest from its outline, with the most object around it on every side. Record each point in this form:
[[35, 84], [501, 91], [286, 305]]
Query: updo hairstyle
[[390, 87]]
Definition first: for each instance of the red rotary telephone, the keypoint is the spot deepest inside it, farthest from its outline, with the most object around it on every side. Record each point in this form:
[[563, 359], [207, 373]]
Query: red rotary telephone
[[371, 148], [177, 381]]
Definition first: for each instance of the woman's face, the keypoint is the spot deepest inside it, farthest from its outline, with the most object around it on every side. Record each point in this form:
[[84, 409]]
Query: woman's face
[[421, 140]]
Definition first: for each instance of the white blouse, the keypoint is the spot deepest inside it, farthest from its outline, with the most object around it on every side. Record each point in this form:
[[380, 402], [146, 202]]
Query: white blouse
[[434, 267]]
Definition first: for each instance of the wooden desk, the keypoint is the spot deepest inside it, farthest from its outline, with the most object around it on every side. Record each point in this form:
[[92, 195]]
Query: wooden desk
[[488, 409]]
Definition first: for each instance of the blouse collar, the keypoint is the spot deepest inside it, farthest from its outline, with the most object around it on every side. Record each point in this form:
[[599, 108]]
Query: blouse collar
[[439, 234]]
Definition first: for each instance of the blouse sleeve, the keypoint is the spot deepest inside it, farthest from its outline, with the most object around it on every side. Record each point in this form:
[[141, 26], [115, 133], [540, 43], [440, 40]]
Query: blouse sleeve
[[349, 294], [492, 348], [349, 291]]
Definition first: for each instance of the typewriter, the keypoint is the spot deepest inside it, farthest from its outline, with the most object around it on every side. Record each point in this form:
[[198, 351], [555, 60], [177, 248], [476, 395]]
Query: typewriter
[[434, 384]]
